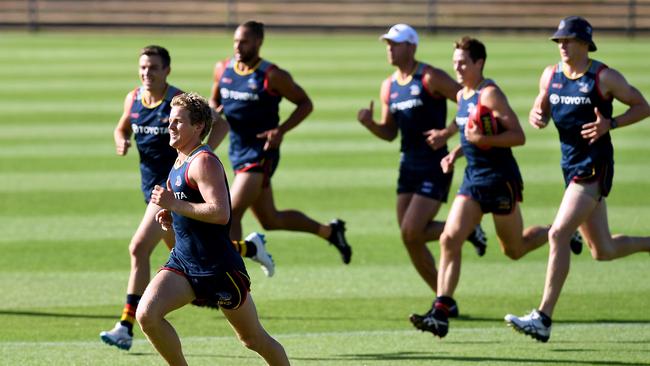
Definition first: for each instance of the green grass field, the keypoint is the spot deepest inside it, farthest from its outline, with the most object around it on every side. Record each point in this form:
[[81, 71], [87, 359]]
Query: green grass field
[[69, 205]]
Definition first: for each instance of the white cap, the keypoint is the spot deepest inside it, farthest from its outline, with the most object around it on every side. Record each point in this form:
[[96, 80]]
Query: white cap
[[401, 33]]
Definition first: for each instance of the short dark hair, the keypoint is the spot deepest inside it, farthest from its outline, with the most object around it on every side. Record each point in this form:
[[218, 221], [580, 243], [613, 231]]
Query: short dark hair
[[154, 50], [256, 28], [475, 48], [198, 108]]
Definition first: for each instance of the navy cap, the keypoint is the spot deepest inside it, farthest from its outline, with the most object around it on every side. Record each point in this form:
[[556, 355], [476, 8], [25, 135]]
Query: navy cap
[[575, 27]]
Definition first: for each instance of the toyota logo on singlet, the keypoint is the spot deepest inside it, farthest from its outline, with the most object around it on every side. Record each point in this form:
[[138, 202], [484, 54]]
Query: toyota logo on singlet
[[554, 99]]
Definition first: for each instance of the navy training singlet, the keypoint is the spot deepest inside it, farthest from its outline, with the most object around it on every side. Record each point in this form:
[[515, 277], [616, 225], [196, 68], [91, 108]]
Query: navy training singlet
[[250, 108], [202, 248], [484, 166], [415, 110], [572, 104], [150, 126]]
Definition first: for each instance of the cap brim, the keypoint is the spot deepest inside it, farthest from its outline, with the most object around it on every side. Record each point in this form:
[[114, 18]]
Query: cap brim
[[388, 37], [556, 37]]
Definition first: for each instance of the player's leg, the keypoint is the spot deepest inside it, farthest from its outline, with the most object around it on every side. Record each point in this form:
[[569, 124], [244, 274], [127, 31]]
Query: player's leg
[[604, 245], [514, 240], [144, 241], [293, 220], [578, 204], [464, 215], [576, 207], [414, 213], [245, 189], [251, 333], [167, 292], [142, 244]]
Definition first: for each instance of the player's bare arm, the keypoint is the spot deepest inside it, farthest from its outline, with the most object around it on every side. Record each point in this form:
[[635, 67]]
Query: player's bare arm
[[282, 83], [613, 84], [220, 126], [440, 83], [540, 114], [207, 174], [511, 132], [448, 161], [386, 129], [122, 132]]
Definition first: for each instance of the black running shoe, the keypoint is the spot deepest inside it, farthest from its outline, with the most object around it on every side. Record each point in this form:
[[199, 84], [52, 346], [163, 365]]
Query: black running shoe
[[479, 240], [337, 238], [576, 243], [436, 322], [417, 319]]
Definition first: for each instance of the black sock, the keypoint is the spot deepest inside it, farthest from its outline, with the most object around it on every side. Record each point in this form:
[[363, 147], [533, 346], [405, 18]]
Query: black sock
[[128, 314], [546, 320]]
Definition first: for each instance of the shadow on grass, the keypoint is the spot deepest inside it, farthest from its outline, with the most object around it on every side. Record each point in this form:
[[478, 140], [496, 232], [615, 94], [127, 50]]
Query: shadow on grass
[[465, 317], [562, 321], [54, 315], [424, 356]]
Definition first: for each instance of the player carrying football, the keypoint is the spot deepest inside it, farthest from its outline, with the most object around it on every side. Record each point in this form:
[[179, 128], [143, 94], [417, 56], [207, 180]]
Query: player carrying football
[[491, 184], [414, 103]]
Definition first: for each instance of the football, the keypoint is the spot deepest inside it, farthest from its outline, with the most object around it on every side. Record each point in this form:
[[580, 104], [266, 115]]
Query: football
[[484, 118], [487, 124]]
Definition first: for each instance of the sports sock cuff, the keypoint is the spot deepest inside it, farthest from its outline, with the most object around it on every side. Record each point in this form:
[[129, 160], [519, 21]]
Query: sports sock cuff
[[250, 250], [546, 320]]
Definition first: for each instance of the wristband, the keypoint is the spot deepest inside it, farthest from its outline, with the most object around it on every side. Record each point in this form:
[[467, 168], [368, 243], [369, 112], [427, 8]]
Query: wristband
[[613, 123]]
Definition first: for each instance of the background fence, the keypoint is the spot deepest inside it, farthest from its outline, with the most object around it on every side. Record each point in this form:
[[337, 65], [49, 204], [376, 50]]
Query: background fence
[[628, 16]]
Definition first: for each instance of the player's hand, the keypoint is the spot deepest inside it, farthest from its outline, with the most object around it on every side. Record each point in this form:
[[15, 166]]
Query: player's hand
[[436, 138], [216, 114], [164, 218], [537, 119], [273, 138], [447, 163], [122, 146], [472, 134], [365, 114], [162, 197], [593, 130]]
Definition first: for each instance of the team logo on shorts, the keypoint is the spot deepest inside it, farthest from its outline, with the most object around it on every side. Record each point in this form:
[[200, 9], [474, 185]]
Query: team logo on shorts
[[427, 187]]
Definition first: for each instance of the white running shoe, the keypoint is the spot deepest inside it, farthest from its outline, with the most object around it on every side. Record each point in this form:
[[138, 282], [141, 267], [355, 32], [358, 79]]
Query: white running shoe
[[262, 257], [118, 337], [530, 324]]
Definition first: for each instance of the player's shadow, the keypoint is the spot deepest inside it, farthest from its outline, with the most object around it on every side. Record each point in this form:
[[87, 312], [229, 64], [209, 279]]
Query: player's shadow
[[54, 315], [469, 317], [424, 356]]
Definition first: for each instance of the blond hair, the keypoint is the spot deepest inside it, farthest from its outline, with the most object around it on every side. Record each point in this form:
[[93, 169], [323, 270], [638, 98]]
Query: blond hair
[[198, 109]]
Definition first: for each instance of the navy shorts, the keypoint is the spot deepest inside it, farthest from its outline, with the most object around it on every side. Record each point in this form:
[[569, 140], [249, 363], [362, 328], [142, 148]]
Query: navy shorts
[[431, 183], [227, 289], [267, 166], [149, 178], [602, 173], [499, 198]]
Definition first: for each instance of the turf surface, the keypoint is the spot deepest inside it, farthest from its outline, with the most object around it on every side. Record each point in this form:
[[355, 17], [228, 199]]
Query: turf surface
[[68, 207]]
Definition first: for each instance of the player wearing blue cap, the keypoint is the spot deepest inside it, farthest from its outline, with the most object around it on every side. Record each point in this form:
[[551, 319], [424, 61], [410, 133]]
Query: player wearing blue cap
[[577, 93], [492, 182]]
